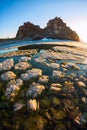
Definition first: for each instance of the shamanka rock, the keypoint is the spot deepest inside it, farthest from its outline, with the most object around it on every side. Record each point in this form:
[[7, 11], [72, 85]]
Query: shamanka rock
[[55, 29]]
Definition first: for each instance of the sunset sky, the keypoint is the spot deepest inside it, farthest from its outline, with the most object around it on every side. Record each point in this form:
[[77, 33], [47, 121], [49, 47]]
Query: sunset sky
[[14, 13]]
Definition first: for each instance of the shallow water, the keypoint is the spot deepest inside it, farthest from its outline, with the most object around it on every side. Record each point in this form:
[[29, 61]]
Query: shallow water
[[58, 110]]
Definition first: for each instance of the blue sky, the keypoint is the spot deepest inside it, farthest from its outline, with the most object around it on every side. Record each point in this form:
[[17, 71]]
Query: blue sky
[[14, 13]]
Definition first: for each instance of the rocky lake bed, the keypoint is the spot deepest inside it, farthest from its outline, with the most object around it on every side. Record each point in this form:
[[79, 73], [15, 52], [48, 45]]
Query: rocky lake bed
[[44, 87]]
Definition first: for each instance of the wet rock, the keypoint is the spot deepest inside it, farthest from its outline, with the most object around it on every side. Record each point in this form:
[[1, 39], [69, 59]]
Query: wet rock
[[25, 59], [18, 106], [9, 75], [43, 79], [84, 100], [81, 84], [23, 51], [33, 73], [13, 87], [73, 111], [58, 114], [6, 65], [60, 126], [70, 65], [35, 89], [57, 74], [36, 122], [83, 119], [40, 60], [52, 55], [45, 103], [17, 82], [55, 88], [56, 101], [22, 66], [32, 105], [68, 88], [53, 65], [12, 91]]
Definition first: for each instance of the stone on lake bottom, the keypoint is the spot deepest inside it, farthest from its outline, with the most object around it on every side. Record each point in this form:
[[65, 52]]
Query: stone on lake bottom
[[33, 73], [6, 65], [43, 79], [18, 106], [32, 105], [22, 66], [25, 59], [9, 75], [35, 89]]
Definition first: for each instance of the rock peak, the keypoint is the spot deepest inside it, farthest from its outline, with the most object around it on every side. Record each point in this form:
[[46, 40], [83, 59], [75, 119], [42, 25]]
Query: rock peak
[[55, 29]]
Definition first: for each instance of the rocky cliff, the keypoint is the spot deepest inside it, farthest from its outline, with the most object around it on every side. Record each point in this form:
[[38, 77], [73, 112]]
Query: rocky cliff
[[29, 30], [55, 29]]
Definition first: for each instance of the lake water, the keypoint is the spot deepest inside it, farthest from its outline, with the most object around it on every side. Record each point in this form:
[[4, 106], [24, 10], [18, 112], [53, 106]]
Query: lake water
[[13, 45]]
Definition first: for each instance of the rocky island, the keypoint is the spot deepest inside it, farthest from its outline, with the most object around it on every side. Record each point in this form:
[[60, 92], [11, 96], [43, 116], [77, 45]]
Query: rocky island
[[55, 29]]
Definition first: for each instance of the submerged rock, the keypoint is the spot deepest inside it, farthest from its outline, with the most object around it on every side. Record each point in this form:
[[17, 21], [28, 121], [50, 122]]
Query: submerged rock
[[13, 87], [6, 65], [18, 106], [32, 105], [81, 84], [9, 75], [58, 74], [36, 122], [40, 60], [56, 101], [35, 89], [70, 65], [45, 102], [53, 65], [22, 66], [25, 59], [43, 79], [33, 73], [55, 87], [11, 91], [17, 82]]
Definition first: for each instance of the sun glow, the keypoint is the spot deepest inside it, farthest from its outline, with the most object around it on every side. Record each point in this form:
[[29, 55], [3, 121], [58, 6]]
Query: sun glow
[[81, 29]]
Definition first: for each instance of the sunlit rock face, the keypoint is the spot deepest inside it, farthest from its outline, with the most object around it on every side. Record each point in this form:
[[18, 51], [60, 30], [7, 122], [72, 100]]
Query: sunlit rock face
[[29, 30], [55, 29]]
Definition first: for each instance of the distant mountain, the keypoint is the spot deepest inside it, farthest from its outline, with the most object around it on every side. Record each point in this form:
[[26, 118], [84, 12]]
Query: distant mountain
[[55, 29]]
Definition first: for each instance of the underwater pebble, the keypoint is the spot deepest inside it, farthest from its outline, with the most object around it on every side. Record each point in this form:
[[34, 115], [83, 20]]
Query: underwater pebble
[[9, 75]]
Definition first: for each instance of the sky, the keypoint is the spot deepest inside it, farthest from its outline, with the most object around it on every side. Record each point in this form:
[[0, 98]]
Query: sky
[[14, 13]]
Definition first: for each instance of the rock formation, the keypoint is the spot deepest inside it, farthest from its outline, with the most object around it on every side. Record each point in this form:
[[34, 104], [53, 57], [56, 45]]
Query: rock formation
[[29, 30], [56, 29]]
